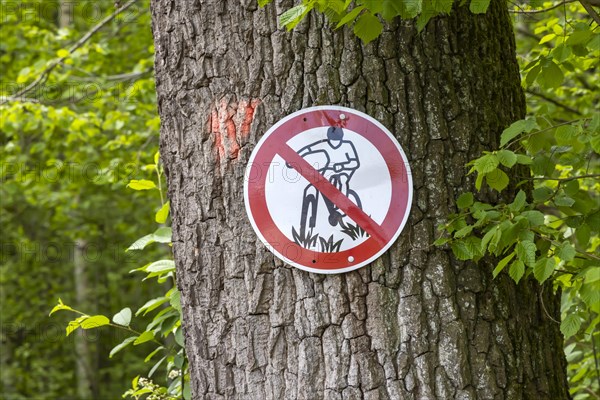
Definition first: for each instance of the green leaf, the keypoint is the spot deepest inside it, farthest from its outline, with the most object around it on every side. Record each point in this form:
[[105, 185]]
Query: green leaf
[[141, 242], [479, 6], [461, 250], [579, 37], [564, 201], [583, 234], [463, 232], [547, 38], [534, 217], [441, 241], [570, 325], [391, 9], [532, 74], [149, 356], [595, 143], [479, 181], [565, 134], [179, 337], [60, 306], [517, 270], [518, 203], [95, 321], [497, 180], [73, 325], [488, 237], [293, 15], [151, 305], [368, 27], [542, 194], [515, 129], [486, 164], [566, 252], [551, 75], [465, 200], [121, 346], [123, 317], [262, 3], [572, 188], [502, 264], [161, 266], [410, 9], [561, 53], [142, 184], [162, 214], [155, 367], [144, 337], [524, 159], [507, 158], [163, 235], [351, 16], [526, 252], [590, 293], [593, 274], [544, 268], [176, 300]]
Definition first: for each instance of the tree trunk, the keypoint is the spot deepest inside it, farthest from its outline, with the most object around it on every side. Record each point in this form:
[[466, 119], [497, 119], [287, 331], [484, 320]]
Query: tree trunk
[[83, 360], [415, 324]]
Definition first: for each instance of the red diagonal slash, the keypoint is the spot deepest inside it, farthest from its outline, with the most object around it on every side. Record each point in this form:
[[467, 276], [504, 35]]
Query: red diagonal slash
[[333, 193]]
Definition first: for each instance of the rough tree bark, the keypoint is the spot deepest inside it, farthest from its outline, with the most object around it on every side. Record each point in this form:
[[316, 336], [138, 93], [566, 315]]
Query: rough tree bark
[[415, 324]]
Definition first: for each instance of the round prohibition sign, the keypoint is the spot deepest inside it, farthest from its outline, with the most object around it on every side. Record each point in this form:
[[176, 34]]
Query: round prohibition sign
[[289, 145]]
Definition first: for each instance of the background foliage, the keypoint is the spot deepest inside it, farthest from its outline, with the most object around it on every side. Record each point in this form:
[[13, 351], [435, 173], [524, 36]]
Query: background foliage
[[78, 125], [68, 149]]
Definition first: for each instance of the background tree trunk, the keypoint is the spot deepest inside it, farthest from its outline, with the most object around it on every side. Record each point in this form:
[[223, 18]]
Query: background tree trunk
[[414, 324]]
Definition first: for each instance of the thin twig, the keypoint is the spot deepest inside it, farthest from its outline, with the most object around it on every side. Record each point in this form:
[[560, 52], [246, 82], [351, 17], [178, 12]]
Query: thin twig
[[521, 11], [44, 74], [544, 305], [519, 138], [8, 99], [553, 101], [590, 10], [572, 178]]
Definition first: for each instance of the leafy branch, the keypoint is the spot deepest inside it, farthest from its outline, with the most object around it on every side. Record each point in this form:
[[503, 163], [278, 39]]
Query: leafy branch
[[67, 53]]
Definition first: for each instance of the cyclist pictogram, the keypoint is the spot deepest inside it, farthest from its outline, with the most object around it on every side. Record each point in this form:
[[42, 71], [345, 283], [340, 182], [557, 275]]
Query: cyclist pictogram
[[341, 161]]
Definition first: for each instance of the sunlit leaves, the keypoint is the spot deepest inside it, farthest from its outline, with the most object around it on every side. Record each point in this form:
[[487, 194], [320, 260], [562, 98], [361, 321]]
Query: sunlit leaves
[[121, 346], [141, 184], [161, 235], [123, 317], [515, 129], [367, 27], [162, 213], [570, 325], [95, 321], [293, 16], [497, 179], [144, 337], [503, 263], [516, 270], [465, 200], [479, 6]]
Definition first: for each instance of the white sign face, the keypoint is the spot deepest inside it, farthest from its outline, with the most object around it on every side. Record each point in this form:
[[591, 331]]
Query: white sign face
[[328, 189]]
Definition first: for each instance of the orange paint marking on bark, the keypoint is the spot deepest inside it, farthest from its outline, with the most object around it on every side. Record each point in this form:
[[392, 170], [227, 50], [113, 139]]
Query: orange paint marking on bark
[[249, 108], [214, 128], [229, 121]]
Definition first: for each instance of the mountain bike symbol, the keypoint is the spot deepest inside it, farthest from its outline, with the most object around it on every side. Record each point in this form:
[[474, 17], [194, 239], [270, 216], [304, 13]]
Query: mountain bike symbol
[[341, 162]]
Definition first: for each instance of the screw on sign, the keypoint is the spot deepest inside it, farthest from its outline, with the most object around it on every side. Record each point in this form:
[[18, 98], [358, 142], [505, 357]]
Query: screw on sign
[[328, 189]]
